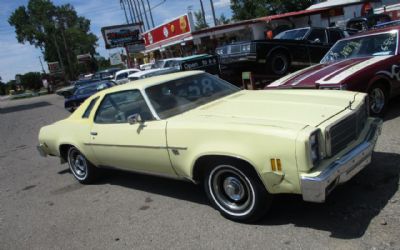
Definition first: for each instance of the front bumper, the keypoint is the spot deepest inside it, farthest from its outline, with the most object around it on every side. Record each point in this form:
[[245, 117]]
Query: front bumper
[[317, 188]]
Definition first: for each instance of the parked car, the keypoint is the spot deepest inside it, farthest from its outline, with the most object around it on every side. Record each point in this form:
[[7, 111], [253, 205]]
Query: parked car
[[288, 51], [146, 66], [150, 73], [368, 62], [243, 146], [68, 91], [106, 74], [121, 76], [82, 93]]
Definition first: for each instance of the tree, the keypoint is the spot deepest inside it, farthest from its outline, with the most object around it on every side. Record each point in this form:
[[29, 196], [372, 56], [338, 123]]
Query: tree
[[249, 9], [199, 23], [57, 30], [223, 20], [31, 80]]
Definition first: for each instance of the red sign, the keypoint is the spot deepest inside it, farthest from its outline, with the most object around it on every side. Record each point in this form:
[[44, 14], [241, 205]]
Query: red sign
[[163, 32]]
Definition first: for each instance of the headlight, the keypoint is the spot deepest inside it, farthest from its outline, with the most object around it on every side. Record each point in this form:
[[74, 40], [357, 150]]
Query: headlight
[[220, 51], [314, 147], [246, 47]]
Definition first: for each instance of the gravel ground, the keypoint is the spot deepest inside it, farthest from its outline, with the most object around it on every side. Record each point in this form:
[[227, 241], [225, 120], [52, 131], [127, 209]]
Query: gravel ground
[[43, 207]]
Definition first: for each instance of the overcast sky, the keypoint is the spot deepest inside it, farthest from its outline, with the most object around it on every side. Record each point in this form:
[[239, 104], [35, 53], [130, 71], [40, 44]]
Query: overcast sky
[[21, 58]]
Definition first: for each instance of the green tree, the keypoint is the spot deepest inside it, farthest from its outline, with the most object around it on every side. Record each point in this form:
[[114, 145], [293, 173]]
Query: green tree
[[55, 30], [31, 80], [249, 9], [199, 22], [223, 20]]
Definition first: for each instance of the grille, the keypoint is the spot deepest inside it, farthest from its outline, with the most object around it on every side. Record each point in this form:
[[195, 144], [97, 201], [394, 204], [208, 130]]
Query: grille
[[235, 49], [347, 130]]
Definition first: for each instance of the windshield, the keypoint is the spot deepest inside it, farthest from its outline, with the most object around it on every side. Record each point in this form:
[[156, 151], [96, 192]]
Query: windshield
[[158, 64], [86, 90], [372, 45], [178, 96], [297, 34]]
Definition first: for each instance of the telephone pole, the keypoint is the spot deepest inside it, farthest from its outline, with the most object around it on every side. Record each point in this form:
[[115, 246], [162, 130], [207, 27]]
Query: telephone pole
[[202, 12], [213, 12]]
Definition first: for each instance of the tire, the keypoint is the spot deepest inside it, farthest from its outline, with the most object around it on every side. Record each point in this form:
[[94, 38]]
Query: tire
[[279, 63], [378, 99], [237, 192], [84, 171]]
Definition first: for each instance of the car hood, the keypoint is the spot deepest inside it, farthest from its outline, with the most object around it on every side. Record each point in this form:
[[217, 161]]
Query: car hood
[[292, 109], [327, 73]]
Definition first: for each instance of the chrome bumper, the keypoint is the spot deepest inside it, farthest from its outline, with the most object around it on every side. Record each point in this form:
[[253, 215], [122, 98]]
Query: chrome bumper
[[41, 150], [316, 189]]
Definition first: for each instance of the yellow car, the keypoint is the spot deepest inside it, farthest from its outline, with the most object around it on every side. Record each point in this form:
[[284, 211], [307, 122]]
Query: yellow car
[[243, 146]]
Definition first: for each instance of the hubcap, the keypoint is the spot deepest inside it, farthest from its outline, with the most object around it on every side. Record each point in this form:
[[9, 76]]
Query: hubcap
[[78, 164], [231, 189], [377, 100], [280, 64]]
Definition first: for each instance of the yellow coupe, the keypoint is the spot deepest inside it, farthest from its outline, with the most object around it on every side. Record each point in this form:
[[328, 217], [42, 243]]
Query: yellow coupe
[[243, 146]]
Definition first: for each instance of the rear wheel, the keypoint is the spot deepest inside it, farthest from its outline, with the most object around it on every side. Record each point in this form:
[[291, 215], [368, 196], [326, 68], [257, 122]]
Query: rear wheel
[[237, 192], [81, 168], [378, 99]]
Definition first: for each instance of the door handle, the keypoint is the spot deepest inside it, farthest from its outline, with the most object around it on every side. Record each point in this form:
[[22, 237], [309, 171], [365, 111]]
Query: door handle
[[93, 133]]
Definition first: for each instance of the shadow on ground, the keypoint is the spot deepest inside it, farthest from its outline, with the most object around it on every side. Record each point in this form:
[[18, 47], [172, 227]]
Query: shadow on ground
[[393, 110], [346, 214], [24, 107], [350, 208]]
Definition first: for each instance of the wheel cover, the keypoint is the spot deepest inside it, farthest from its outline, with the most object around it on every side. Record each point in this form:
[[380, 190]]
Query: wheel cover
[[78, 164], [279, 64], [231, 190], [377, 100]]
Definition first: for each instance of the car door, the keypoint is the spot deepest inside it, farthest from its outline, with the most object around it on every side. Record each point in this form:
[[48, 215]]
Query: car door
[[318, 44], [119, 144]]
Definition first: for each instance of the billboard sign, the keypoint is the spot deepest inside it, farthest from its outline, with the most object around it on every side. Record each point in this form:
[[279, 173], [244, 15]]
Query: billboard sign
[[174, 28], [121, 35], [115, 58], [136, 48], [54, 67]]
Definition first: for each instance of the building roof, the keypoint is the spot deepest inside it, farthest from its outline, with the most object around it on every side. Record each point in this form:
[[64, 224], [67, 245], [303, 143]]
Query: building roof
[[333, 3]]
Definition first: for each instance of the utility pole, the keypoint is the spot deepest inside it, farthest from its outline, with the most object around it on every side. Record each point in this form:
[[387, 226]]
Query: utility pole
[[140, 13], [131, 11], [213, 12], [145, 14], [70, 66], [41, 64], [58, 53], [151, 14], [121, 2], [202, 12]]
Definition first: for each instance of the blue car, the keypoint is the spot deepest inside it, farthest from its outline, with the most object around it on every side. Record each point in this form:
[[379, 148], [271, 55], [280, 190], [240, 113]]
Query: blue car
[[81, 93]]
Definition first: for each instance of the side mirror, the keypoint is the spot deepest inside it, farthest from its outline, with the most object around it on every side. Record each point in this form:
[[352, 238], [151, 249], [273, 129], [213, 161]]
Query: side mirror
[[316, 40], [135, 118]]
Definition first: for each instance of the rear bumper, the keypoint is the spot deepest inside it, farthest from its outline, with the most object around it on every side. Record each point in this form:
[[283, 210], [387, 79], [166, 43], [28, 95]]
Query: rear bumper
[[41, 149], [317, 188]]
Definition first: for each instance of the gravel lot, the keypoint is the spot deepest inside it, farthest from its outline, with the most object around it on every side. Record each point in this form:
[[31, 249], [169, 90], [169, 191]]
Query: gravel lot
[[43, 207]]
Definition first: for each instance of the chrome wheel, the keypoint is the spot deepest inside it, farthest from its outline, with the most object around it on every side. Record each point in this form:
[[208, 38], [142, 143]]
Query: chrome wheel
[[77, 163], [231, 190], [377, 100]]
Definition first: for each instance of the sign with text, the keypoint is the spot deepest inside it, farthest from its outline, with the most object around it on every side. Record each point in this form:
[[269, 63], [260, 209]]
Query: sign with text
[[115, 58], [54, 67], [207, 63], [121, 35], [176, 27]]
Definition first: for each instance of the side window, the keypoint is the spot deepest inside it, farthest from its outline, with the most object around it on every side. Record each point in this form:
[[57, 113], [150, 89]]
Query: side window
[[117, 107], [122, 76], [334, 35], [317, 35], [89, 108]]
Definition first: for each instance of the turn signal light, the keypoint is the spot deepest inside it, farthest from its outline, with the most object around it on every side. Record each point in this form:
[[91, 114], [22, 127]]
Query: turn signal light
[[276, 165]]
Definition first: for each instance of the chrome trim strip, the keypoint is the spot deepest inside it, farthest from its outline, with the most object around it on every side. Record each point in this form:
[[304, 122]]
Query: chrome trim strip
[[316, 188], [135, 146]]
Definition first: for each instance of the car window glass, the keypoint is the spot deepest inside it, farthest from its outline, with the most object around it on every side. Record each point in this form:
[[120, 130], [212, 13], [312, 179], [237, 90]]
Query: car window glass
[[317, 35], [90, 107], [334, 35], [122, 76], [117, 107], [297, 34]]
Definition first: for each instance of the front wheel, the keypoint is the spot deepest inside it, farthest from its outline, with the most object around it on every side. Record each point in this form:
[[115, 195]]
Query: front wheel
[[378, 99], [237, 192], [84, 171], [279, 63]]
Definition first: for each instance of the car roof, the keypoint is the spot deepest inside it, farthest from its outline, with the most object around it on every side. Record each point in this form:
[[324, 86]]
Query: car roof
[[126, 70], [155, 80]]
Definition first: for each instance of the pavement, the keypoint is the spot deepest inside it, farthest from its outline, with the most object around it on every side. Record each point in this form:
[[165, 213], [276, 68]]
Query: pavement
[[43, 207]]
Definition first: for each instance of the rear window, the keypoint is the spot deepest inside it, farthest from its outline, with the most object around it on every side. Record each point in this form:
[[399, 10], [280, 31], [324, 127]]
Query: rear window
[[89, 108]]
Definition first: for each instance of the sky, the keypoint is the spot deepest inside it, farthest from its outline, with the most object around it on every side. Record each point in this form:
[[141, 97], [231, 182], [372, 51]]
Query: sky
[[19, 58]]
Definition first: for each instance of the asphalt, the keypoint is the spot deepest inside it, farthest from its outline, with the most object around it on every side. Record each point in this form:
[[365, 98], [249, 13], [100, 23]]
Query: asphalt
[[43, 207]]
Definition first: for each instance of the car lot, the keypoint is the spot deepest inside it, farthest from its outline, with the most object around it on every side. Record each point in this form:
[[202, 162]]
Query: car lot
[[43, 207]]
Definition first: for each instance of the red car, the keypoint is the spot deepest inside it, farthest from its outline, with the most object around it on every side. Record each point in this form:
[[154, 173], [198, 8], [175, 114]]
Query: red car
[[367, 62]]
